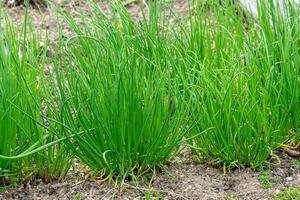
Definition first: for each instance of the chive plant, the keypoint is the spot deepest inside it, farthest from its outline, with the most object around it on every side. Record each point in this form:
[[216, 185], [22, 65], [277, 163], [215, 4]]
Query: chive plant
[[26, 140], [118, 87], [122, 93], [246, 90], [280, 52], [18, 98]]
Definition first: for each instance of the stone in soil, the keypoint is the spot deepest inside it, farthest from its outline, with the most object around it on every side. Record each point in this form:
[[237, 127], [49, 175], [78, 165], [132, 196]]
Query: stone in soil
[[251, 5]]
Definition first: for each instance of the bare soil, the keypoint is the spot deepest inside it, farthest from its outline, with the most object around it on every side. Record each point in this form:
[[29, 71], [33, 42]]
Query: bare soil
[[184, 177]]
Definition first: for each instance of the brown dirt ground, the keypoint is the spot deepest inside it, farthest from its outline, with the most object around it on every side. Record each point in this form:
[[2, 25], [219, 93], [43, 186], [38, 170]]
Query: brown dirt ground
[[184, 177]]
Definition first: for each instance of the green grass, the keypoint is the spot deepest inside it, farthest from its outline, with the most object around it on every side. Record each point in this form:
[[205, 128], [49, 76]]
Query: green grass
[[291, 193], [295, 164], [265, 180]]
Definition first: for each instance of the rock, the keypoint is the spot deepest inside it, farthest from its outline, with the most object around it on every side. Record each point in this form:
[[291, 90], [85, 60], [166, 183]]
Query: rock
[[251, 5]]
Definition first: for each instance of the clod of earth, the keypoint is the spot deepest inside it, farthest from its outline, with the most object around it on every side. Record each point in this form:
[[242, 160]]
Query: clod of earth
[[37, 3]]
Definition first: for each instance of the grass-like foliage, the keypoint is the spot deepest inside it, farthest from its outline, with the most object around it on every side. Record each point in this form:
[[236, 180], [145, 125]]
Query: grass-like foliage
[[119, 88], [241, 75], [26, 139], [19, 96], [247, 88], [288, 193], [122, 93]]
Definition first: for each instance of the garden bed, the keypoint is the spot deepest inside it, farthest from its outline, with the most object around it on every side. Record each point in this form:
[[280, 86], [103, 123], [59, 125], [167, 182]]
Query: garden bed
[[183, 179], [183, 176]]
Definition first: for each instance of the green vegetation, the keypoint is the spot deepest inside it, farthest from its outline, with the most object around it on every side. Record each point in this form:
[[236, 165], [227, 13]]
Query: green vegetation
[[291, 193], [246, 85], [119, 92], [296, 164], [265, 180], [150, 195], [22, 114], [123, 95], [19, 97], [77, 196]]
